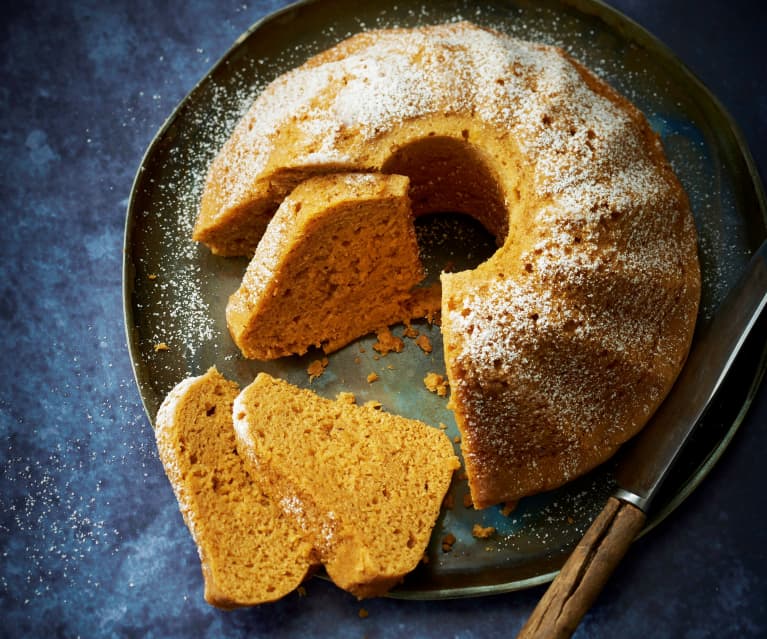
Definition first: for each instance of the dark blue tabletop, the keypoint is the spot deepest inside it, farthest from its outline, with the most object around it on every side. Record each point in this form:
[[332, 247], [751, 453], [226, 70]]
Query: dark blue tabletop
[[91, 543]]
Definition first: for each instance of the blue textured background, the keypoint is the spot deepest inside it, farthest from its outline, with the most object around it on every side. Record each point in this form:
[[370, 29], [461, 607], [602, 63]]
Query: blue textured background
[[84, 550]]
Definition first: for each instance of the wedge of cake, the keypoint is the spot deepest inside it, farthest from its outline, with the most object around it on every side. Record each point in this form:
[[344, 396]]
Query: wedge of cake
[[338, 260], [251, 552], [365, 486]]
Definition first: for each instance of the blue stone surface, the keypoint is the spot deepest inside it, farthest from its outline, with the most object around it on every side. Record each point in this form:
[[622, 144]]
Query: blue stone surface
[[91, 541]]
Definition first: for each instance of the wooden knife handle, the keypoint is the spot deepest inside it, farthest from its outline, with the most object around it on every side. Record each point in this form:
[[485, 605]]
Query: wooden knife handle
[[584, 574]]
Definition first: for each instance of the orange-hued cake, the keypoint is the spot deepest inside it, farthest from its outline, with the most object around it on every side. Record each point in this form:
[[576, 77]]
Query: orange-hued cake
[[366, 486], [562, 344], [339, 259], [251, 552]]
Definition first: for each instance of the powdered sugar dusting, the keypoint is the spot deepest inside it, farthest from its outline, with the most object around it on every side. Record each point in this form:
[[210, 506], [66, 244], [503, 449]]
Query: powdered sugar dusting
[[527, 89], [163, 432]]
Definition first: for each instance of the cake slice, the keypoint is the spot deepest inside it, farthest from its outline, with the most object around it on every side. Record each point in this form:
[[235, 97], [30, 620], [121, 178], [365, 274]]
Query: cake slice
[[366, 487], [338, 260], [251, 552]]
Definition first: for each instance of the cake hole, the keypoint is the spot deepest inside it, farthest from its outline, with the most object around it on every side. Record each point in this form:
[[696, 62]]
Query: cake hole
[[452, 242], [448, 175], [210, 411]]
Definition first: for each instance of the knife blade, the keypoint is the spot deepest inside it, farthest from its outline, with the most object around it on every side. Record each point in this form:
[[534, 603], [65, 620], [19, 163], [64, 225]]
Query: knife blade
[[650, 456]]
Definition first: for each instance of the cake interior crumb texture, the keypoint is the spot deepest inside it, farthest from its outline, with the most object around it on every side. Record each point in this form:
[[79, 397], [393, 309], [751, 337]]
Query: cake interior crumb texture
[[366, 486]]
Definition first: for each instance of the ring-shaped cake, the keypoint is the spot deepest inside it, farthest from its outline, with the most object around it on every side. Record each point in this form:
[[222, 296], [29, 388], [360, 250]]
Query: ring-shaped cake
[[561, 345]]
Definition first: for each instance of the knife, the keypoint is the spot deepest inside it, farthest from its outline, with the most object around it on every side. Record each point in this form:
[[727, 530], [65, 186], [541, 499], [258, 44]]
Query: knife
[[649, 458]]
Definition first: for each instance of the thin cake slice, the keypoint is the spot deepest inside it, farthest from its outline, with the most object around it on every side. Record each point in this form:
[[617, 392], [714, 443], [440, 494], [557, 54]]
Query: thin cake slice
[[250, 551], [338, 260], [365, 486]]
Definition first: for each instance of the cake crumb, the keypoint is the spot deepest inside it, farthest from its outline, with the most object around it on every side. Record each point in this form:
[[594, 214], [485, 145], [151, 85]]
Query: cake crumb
[[482, 532], [317, 368], [449, 501], [442, 426], [508, 508], [301, 591], [410, 332], [425, 558], [570, 520], [436, 383], [346, 397], [152, 276], [374, 404], [373, 377], [468, 502], [363, 613], [424, 343], [457, 439], [447, 542], [387, 342], [161, 346]]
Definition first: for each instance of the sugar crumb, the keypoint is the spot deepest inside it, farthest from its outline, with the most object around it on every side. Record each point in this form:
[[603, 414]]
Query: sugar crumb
[[436, 383], [317, 368], [423, 342], [482, 532], [387, 342]]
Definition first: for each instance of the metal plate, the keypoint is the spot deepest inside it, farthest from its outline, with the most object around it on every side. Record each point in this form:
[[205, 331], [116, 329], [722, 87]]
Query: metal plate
[[175, 291]]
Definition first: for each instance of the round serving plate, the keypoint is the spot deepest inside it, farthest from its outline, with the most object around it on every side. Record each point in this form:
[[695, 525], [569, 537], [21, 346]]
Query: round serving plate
[[175, 291]]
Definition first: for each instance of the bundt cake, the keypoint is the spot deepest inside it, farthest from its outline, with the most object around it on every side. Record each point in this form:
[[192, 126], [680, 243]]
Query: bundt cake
[[559, 347], [366, 486], [338, 260], [251, 552]]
